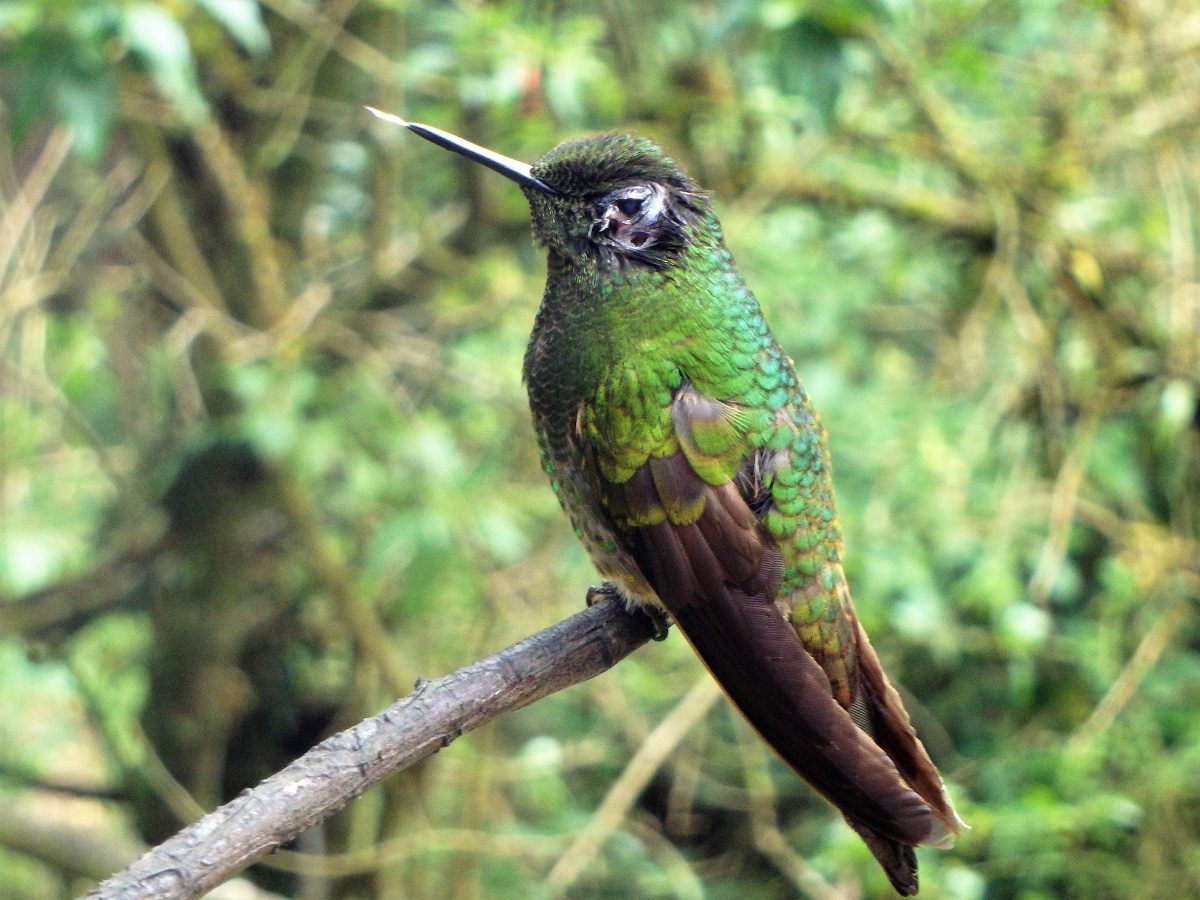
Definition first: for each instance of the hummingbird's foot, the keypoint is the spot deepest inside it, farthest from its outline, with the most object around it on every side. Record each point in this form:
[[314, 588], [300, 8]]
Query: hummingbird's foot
[[659, 619], [656, 614], [598, 592]]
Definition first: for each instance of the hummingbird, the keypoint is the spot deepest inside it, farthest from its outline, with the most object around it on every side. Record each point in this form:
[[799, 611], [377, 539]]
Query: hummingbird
[[694, 469]]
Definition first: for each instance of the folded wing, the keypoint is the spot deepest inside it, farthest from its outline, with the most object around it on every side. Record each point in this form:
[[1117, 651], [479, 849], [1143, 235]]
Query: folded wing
[[693, 520]]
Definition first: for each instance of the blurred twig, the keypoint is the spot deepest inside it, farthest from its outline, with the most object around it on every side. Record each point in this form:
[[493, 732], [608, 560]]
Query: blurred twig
[[624, 792], [169, 215], [294, 86], [88, 852], [1149, 650], [51, 395], [369, 633], [858, 186], [326, 778], [684, 881], [952, 135], [134, 755], [355, 51], [431, 840], [248, 207], [22, 207], [1062, 515], [764, 824]]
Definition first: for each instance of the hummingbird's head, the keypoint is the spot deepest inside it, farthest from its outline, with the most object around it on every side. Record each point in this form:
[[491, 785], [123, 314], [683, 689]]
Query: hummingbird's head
[[617, 199], [610, 200]]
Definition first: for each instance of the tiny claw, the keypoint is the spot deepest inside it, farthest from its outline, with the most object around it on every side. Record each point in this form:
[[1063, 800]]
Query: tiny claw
[[657, 615], [659, 619], [598, 592]]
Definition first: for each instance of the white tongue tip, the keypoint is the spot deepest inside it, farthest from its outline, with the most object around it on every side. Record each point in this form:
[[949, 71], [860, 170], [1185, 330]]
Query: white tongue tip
[[387, 117]]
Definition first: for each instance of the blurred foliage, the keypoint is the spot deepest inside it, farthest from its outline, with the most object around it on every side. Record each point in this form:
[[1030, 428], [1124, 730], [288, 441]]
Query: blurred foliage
[[265, 458]]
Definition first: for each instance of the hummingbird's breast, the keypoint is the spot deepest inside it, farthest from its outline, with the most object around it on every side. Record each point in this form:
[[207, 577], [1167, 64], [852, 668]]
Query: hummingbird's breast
[[572, 352]]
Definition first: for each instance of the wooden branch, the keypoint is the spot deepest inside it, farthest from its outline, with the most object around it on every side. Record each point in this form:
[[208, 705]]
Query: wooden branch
[[337, 770]]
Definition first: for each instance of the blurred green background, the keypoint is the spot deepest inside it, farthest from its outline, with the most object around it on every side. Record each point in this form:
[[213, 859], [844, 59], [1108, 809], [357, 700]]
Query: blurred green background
[[265, 456]]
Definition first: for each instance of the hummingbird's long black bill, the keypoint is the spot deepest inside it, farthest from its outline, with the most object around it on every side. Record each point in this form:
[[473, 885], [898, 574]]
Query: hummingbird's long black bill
[[506, 166]]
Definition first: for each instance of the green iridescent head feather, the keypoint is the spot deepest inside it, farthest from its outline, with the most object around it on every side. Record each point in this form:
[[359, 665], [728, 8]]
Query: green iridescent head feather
[[596, 165], [585, 171]]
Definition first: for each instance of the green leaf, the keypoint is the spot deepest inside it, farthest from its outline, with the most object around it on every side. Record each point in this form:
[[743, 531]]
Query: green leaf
[[159, 44], [86, 106], [243, 20], [64, 73], [811, 66]]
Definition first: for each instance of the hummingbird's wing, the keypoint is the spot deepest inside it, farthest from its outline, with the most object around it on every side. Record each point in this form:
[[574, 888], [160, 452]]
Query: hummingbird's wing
[[695, 517]]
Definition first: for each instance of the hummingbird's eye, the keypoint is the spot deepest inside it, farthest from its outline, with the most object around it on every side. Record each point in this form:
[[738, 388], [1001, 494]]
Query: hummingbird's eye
[[629, 206], [634, 221]]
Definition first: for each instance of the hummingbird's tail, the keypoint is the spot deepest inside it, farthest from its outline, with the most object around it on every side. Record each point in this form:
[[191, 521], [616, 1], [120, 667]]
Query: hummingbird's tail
[[758, 660], [875, 771], [889, 724], [756, 657], [899, 861]]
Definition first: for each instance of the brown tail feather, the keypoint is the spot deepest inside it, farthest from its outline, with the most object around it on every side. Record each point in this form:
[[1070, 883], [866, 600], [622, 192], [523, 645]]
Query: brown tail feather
[[894, 732], [899, 861], [759, 661], [717, 571]]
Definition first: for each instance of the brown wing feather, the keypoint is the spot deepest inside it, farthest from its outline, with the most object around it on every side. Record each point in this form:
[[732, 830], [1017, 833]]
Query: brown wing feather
[[713, 565]]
